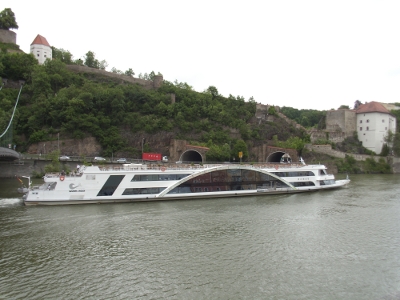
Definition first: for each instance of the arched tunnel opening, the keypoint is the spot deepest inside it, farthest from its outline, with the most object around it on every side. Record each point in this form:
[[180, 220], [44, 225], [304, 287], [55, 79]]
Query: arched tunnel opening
[[275, 157], [191, 156]]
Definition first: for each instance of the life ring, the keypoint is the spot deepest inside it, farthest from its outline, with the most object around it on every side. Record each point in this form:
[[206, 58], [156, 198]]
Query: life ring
[[163, 169], [62, 177]]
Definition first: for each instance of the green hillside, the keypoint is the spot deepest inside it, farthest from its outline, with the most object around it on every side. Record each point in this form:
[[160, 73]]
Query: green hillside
[[56, 101]]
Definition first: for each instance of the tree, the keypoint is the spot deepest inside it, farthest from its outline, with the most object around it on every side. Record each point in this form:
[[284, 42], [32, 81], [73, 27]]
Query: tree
[[7, 19], [292, 143], [272, 111], [115, 70], [396, 144], [64, 55], [212, 90], [103, 65], [357, 103], [240, 146], [129, 72], [17, 66], [344, 107], [91, 61]]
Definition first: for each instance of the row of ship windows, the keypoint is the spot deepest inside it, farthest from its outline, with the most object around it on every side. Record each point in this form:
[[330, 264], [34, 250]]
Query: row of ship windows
[[187, 189], [294, 174], [163, 177], [159, 177]]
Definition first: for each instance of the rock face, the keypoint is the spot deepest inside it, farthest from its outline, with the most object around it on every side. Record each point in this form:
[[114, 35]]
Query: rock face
[[82, 147]]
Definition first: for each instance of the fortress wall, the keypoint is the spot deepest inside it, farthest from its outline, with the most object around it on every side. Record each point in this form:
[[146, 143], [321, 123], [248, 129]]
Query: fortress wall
[[336, 137], [335, 118], [333, 136], [341, 119], [327, 149], [351, 122], [317, 135], [8, 36]]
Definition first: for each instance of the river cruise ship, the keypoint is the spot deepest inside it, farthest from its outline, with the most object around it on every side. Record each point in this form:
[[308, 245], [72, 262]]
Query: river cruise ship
[[140, 182]]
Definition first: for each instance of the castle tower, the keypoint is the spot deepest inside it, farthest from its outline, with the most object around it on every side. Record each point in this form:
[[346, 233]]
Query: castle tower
[[41, 49]]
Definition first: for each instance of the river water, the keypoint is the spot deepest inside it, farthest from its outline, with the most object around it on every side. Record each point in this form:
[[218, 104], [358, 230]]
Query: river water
[[341, 244]]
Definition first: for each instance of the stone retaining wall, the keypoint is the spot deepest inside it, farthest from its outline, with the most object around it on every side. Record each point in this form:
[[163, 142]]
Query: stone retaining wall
[[327, 149], [8, 36]]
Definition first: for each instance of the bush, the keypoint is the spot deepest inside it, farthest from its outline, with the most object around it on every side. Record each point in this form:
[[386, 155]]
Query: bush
[[348, 165]]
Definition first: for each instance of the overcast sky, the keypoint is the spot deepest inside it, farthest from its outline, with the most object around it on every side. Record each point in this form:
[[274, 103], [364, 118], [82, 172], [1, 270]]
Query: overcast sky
[[303, 54]]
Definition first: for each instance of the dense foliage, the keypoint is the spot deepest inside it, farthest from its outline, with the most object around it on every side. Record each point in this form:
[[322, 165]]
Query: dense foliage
[[7, 19], [306, 117], [55, 100]]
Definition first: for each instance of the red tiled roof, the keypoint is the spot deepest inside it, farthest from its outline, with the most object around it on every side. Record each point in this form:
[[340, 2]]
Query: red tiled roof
[[40, 40], [371, 107]]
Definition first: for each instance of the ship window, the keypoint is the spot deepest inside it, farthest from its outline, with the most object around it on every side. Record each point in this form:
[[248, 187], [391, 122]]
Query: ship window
[[327, 182], [294, 174], [111, 185], [228, 180], [159, 177], [306, 183], [143, 191]]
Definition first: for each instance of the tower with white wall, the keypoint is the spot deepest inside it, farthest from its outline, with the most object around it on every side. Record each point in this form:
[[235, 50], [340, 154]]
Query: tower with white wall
[[41, 49]]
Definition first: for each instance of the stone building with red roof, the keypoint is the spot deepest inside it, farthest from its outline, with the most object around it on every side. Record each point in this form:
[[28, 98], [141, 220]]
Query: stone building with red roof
[[374, 122], [41, 49]]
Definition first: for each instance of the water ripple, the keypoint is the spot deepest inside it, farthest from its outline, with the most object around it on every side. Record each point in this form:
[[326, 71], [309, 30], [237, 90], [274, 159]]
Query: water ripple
[[330, 245]]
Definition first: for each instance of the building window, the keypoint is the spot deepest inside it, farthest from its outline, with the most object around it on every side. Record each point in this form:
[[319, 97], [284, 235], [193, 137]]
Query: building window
[[383, 121], [385, 128], [360, 128], [367, 121], [38, 55], [367, 128], [360, 121]]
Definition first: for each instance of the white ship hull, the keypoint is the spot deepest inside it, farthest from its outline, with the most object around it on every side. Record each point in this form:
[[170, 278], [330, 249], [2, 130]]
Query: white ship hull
[[137, 183]]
